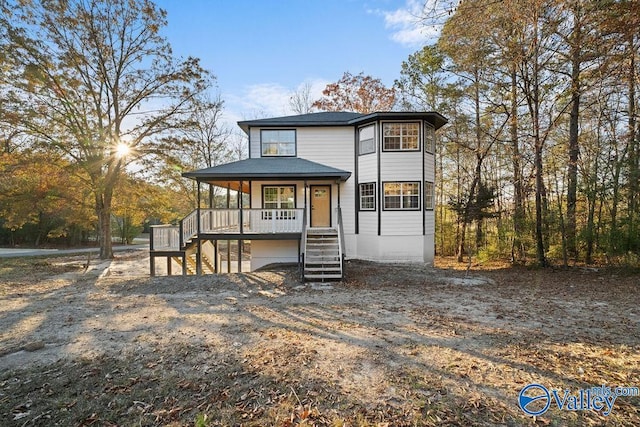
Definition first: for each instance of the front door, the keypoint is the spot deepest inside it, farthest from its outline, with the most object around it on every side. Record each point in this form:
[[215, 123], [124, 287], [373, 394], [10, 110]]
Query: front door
[[321, 206]]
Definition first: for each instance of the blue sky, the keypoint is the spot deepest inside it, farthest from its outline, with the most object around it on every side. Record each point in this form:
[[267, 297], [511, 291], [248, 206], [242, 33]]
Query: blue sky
[[263, 50]]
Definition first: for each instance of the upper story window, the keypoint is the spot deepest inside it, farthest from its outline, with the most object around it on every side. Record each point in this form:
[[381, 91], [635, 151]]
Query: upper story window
[[280, 142], [429, 138], [401, 136], [366, 140]]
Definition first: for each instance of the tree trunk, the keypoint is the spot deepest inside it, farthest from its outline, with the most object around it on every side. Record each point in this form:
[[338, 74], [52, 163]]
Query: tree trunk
[[517, 248], [103, 211], [634, 174], [574, 151]]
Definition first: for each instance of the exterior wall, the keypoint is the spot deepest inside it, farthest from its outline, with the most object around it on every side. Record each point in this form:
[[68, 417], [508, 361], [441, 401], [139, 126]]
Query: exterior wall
[[429, 216], [393, 248], [264, 252], [401, 235]]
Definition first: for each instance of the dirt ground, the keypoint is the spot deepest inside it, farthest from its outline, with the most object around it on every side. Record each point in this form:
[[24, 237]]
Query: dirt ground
[[90, 343]]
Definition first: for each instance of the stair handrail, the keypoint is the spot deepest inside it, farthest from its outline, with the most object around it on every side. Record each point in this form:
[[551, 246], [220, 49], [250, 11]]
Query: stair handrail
[[304, 241], [341, 243], [189, 227]]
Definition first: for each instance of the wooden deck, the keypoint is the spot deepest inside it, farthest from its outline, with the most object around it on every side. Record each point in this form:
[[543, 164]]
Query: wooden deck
[[228, 223]]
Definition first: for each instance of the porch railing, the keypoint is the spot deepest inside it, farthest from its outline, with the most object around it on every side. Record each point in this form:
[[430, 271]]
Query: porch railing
[[223, 221], [164, 238]]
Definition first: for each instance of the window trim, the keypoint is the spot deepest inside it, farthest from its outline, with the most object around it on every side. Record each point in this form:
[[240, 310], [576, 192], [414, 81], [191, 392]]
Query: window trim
[[360, 153], [432, 195], [382, 194], [429, 144], [267, 215], [373, 196], [401, 150], [295, 142]]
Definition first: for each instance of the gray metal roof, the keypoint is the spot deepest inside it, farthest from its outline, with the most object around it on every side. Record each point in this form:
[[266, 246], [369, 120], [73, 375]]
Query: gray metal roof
[[343, 118], [268, 168]]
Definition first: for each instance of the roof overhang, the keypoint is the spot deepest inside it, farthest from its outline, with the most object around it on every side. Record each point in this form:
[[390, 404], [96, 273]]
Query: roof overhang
[[436, 119], [342, 118], [230, 175]]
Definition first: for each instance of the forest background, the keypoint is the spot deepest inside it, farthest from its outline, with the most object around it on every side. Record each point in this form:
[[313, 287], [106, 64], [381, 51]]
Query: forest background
[[540, 161]]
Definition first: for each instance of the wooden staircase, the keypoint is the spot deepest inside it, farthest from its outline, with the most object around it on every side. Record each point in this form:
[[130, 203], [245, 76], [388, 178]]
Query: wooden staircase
[[191, 264], [323, 254]]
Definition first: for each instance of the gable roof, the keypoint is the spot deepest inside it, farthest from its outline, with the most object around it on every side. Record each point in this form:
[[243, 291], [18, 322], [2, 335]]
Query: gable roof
[[343, 118], [281, 168]]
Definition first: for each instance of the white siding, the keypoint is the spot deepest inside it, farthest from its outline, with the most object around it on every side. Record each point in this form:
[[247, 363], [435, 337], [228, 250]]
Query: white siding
[[399, 166], [254, 143], [429, 167], [331, 146], [429, 222], [392, 248], [368, 222], [402, 223], [368, 168]]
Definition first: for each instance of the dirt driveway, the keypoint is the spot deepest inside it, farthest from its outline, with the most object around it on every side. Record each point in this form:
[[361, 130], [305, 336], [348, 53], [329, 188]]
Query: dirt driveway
[[390, 345]]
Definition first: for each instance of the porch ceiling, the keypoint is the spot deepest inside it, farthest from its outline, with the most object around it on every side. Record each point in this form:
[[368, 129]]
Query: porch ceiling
[[265, 168]]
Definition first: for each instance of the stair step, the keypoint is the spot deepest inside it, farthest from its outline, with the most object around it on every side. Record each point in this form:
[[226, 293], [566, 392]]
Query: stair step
[[323, 276], [310, 258], [316, 269]]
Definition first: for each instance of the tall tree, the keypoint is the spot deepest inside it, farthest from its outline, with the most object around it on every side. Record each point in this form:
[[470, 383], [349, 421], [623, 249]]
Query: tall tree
[[87, 76], [359, 93]]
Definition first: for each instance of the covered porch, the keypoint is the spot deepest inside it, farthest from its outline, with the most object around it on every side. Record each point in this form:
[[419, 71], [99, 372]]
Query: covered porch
[[194, 241]]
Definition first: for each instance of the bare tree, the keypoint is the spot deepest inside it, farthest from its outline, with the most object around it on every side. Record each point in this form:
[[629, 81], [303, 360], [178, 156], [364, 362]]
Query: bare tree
[[301, 102]]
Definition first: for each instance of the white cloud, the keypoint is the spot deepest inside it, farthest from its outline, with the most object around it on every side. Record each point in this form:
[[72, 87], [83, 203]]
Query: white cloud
[[267, 99], [408, 26]]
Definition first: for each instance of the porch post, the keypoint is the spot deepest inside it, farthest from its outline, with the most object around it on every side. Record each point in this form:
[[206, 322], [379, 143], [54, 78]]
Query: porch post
[[152, 260], [306, 219], [239, 197], [239, 256], [216, 268], [198, 241]]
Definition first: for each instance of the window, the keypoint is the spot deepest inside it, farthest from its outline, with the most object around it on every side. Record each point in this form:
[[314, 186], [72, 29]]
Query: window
[[429, 138], [401, 136], [278, 142], [401, 195], [366, 140], [429, 195], [279, 198], [368, 196]]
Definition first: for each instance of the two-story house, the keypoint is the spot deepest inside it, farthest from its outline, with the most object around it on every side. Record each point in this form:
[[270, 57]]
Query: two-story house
[[321, 187]]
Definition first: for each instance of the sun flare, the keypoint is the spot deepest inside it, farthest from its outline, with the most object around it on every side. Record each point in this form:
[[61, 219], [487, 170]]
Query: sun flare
[[122, 150]]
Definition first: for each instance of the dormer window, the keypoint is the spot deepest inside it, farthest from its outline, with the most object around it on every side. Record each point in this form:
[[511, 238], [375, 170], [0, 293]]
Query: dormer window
[[280, 142]]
